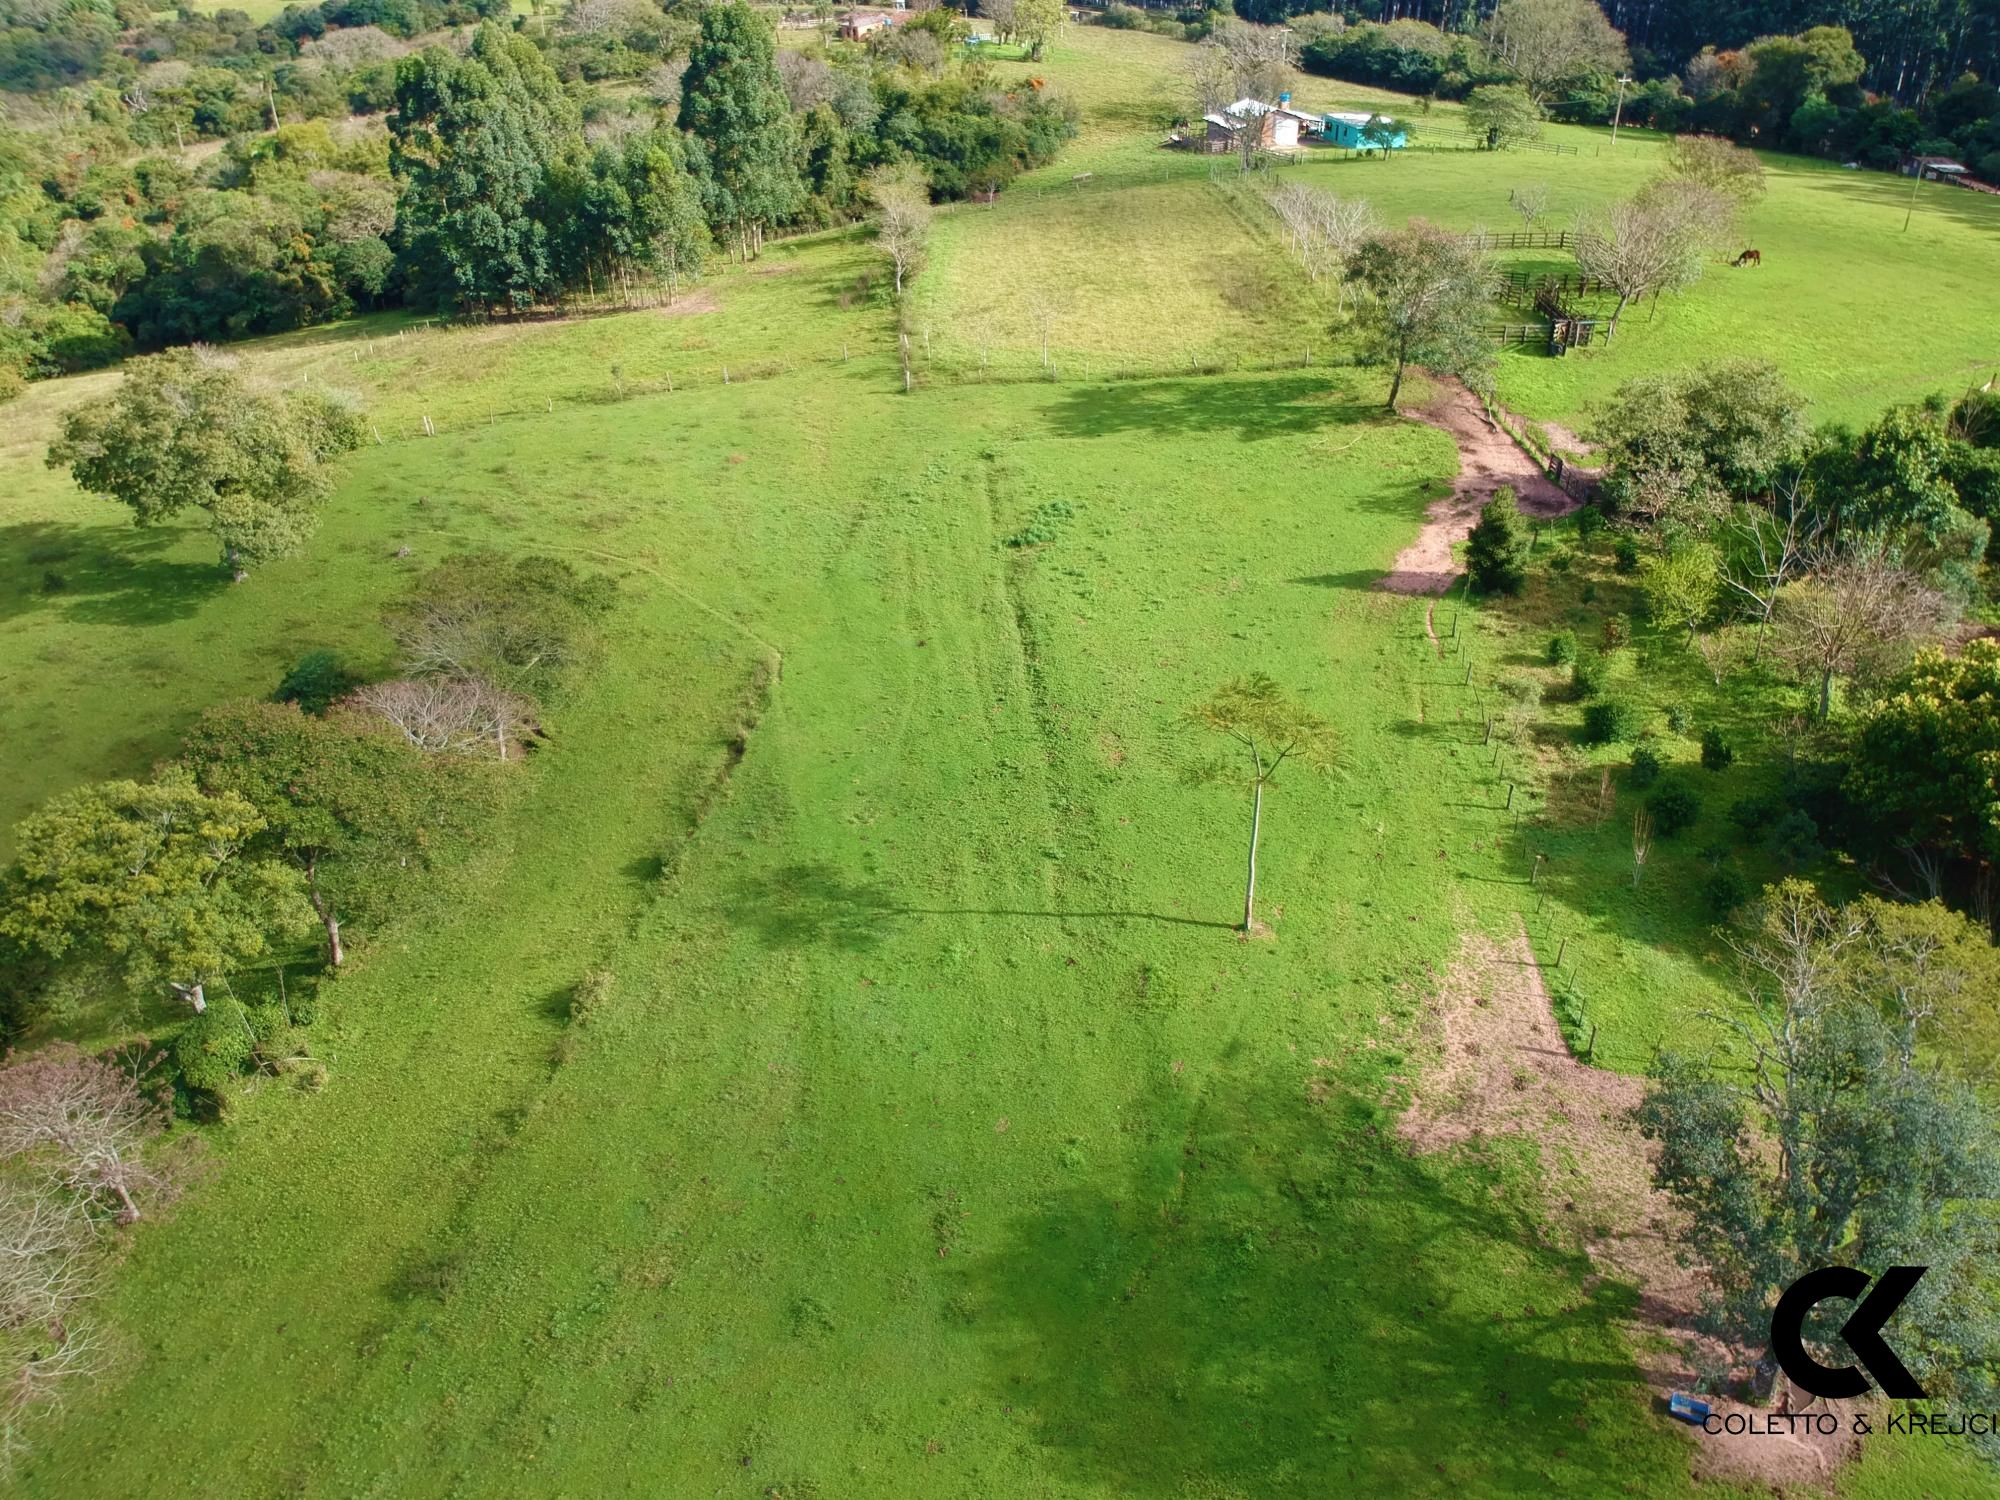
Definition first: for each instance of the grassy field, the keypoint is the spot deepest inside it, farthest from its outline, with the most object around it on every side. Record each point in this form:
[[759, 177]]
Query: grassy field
[[938, 1136], [1857, 311]]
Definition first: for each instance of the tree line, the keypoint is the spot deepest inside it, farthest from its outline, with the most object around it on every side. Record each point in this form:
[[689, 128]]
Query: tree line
[[1877, 87], [492, 176], [207, 900]]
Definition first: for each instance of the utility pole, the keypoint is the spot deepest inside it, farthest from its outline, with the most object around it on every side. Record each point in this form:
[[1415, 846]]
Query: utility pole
[[1620, 109], [1916, 181]]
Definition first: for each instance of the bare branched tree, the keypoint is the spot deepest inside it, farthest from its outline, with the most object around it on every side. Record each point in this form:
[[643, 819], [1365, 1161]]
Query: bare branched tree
[[1323, 230], [40, 1366], [902, 196], [1530, 202], [46, 1239], [1767, 550], [1858, 616], [1047, 306], [83, 1122], [1657, 242], [445, 715]]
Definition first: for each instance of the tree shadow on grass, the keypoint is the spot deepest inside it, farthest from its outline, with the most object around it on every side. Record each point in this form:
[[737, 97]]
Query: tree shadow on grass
[[813, 905], [1272, 405], [101, 576], [1279, 1299], [1354, 578]]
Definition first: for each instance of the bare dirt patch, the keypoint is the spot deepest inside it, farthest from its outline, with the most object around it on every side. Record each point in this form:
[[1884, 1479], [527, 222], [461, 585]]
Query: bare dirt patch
[[1487, 459], [702, 300], [1564, 441], [1504, 1069]]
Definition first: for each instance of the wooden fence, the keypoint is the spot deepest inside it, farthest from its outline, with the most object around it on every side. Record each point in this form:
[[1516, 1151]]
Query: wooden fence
[[1524, 239]]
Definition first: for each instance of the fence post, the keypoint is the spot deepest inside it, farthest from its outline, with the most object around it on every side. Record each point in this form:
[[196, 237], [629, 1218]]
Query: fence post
[[1510, 798]]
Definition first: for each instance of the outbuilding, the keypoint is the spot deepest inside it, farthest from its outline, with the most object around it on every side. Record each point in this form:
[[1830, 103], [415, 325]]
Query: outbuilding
[[1352, 129]]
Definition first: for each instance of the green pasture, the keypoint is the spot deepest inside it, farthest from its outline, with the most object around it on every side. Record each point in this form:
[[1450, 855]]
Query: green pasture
[[1856, 310], [939, 1137]]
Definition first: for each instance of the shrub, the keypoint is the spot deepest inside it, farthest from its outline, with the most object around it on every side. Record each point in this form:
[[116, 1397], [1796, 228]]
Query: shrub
[[1723, 892], [1677, 717], [1611, 719], [1589, 521], [1794, 838], [1586, 677], [1562, 648], [1749, 814], [1675, 809], [1496, 554], [1645, 768], [1625, 556], [1526, 691], [1588, 593], [1123, 18], [588, 996], [1617, 632], [317, 683], [1715, 752], [212, 1048]]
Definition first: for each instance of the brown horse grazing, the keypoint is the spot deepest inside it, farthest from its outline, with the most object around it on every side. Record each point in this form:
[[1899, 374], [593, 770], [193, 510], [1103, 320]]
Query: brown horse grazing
[[1749, 258]]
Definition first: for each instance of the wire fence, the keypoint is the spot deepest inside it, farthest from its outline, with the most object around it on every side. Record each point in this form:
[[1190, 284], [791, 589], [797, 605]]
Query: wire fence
[[1510, 780]]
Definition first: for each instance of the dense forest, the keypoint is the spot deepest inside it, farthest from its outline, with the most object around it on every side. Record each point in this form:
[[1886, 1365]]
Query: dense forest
[[380, 152]]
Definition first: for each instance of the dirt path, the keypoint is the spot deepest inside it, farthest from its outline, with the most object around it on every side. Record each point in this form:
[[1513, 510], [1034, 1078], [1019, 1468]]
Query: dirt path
[[1505, 1069], [1487, 459]]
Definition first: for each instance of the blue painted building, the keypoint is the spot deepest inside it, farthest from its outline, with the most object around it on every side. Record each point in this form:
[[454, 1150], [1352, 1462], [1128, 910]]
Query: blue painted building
[[1350, 130]]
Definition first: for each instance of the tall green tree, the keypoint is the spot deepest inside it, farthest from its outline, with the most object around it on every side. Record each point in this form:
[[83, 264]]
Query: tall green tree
[[343, 797], [1496, 553], [474, 140], [734, 105], [1268, 728], [1426, 296], [184, 431], [1926, 762], [1504, 113], [632, 208], [154, 880], [1825, 1141]]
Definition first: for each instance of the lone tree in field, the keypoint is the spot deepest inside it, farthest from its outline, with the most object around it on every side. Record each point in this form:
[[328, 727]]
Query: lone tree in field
[[1724, 166], [151, 879], [1425, 301], [1504, 113], [1549, 42], [1657, 242], [183, 431], [1530, 202], [1496, 553], [903, 222], [1269, 729], [1828, 1142], [1037, 23]]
